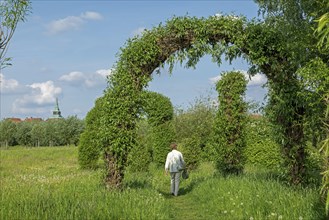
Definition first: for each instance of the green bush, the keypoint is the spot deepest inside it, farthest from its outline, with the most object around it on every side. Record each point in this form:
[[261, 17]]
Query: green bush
[[141, 156], [265, 153], [230, 123], [159, 112], [161, 137], [192, 153], [261, 149], [90, 144]]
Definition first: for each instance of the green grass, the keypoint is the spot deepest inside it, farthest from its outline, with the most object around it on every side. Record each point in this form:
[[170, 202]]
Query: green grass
[[46, 183]]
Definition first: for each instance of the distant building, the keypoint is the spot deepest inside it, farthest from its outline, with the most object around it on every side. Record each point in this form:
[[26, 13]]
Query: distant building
[[14, 119], [56, 114], [30, 119], [56, 111]]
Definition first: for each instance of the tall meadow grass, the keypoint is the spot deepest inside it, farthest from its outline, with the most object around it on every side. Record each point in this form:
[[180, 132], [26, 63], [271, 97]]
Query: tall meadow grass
[[46, 183]]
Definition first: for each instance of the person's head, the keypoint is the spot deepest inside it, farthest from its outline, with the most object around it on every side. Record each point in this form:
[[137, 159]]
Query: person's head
[[173, 146]]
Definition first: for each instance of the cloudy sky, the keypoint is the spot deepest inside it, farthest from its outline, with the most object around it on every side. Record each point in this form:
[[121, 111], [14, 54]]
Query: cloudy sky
[[66, 49]]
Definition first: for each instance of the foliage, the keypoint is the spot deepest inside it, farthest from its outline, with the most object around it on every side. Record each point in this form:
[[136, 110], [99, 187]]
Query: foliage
[[192, 152], [90, 146], [11, 12], [7, 130], [161, 137], [314, 79], [51, 132], [159, 113], [261, 150], [230, 122], [289, 104], [141, 156], [322, 30], [23, 135], [196, 122], [155, 131], [325, 151], [187, 39]]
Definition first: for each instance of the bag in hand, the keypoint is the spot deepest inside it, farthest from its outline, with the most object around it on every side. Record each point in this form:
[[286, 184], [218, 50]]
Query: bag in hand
[[185, 174]]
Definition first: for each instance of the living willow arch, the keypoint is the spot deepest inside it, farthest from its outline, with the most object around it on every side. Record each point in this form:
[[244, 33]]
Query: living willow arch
[[160, 112], [188, 39], [153, 144]]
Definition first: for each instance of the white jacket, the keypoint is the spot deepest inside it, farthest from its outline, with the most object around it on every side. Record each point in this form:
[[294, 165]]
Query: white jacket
[[174, 161]]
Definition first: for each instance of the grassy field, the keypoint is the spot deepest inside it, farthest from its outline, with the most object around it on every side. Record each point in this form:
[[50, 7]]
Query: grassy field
[[46, 183]]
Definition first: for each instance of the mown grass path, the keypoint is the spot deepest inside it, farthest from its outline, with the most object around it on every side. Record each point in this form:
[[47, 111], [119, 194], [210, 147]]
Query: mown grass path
[[185, 208], [185, 205]]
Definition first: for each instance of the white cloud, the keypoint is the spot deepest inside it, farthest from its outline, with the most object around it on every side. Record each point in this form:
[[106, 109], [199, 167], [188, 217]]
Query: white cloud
[[10, 86], [91, 15], [256, 80], [138, 31], [44, 93], [73, 77], [88, 80], [7, 85], [65, 24], [71, 22], [215, 79], [37, 100]]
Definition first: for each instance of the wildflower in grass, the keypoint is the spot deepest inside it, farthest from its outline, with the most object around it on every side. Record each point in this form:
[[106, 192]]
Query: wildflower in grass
[[225, 212], [241, 203], [280, 217]]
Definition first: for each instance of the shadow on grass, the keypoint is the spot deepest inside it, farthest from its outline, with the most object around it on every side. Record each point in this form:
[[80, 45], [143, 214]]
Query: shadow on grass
[[137, 184], [184, 190]]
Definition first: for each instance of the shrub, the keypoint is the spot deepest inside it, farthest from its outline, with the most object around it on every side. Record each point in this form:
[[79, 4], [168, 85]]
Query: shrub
[[90, 144], [261, 149], [230, 122], [141, 156], [191, 150]]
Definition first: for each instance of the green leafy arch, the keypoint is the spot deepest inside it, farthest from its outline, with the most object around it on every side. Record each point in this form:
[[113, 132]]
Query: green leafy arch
[[180, 39], [153, 146]]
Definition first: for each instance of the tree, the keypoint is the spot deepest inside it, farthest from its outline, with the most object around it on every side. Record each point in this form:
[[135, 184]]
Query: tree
[[11, 12], [7, 131], [23, 133], [73, 129], [323, 30], [323, 33], [38, 134], [289, 103], [194, 130], [230, 123]]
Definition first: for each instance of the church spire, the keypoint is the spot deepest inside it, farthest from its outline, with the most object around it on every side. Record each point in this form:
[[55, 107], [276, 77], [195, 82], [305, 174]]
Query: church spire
[[56, 112]]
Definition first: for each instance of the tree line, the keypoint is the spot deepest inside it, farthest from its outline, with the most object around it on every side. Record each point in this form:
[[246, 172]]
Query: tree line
[[52, 132]]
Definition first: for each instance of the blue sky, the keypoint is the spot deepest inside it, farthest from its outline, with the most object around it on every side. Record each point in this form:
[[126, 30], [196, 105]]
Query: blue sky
[[65, 49]]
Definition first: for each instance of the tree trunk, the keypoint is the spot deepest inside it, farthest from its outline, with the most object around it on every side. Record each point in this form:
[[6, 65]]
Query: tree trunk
[[295, 155], [114, 173]]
